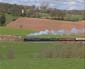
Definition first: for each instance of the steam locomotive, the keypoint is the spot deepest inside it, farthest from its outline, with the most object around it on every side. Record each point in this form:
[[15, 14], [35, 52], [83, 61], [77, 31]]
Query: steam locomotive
[[53, 39]]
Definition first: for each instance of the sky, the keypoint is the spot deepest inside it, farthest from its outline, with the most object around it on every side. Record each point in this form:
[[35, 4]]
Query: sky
[[59, 4]]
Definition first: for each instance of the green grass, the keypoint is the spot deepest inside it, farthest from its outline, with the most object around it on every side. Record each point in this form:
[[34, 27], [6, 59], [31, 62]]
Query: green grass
[[73, 17], [23, 32], [25, 57], [12, 31], [59, 36], [10, 17]]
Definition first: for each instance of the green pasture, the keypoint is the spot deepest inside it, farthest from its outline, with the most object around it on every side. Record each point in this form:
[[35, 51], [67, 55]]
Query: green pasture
[[24, 32], [69, 17], [19, 55], [12, 31], [59, 36]]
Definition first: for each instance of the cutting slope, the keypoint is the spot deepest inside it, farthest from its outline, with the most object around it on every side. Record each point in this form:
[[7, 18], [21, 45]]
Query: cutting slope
[[43, 24]]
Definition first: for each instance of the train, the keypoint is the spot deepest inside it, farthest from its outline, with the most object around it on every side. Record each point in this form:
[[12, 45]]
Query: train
[[53, 39]]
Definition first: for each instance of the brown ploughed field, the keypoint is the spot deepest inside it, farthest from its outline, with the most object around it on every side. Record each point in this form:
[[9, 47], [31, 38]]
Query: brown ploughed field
[[43, 24]]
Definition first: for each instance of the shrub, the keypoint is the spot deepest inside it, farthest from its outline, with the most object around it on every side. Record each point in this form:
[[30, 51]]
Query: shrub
[[2, 19]]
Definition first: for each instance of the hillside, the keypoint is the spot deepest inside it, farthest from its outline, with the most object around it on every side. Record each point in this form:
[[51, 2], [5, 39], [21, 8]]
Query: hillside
[[43, 24]]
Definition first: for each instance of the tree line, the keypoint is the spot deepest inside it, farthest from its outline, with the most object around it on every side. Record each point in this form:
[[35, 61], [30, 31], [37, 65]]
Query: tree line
[[40, 12]]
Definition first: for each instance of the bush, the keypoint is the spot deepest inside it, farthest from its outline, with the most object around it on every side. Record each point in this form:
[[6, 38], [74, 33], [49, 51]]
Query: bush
[[2, 19], [72, 18]]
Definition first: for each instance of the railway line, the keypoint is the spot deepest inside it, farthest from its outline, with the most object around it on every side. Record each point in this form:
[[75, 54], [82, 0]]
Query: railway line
[[55, 39], [38, 39]]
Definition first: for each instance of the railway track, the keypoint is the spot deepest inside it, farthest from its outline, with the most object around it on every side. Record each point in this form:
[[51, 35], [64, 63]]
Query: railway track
[[55, 39]]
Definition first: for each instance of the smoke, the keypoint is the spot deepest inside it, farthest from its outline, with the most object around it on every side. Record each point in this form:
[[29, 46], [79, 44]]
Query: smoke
[[39, 33], [56, 32]]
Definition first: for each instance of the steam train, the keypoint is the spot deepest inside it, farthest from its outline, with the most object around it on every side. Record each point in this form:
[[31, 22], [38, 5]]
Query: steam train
[[53, 39]]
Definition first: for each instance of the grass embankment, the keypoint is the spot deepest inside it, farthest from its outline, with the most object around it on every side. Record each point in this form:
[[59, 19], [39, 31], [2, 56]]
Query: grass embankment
[[60, 36], [23, 32], [40, 55], [12, 31]]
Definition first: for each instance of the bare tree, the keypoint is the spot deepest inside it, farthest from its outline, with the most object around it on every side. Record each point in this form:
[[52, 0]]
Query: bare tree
[[44, 5]]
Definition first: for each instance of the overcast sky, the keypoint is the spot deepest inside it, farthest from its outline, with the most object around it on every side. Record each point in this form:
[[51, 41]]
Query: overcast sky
[[60, 4]]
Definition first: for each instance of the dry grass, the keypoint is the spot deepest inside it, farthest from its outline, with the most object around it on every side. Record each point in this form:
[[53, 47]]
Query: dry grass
[[65, 51], [11, 53]]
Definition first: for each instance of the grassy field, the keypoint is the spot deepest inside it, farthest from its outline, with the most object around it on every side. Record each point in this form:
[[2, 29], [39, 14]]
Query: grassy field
[[61, 36], [24, 32], [10, 17], [70, 17], [6, 31], [19, 55]]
